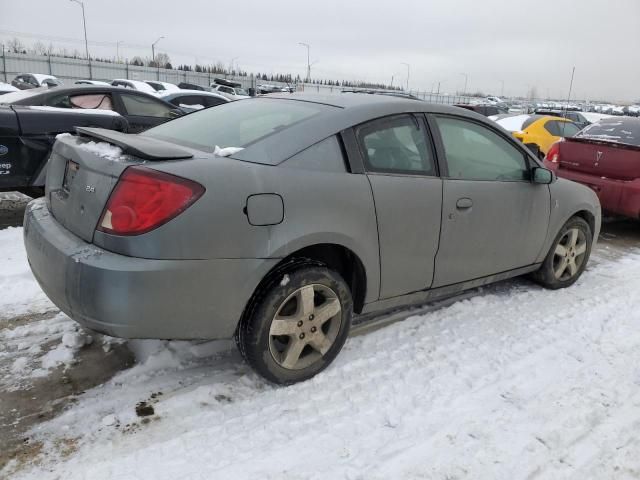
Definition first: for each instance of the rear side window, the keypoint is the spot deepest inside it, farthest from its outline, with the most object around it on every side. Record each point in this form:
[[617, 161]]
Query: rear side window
[[84, 101], [474, 152], [213, 101], [236, 124], [561, 129], [144, 107], [325, 155], [396, 145]]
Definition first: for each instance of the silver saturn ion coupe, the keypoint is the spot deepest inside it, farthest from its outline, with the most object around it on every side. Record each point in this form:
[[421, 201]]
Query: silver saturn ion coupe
[[274, 220]]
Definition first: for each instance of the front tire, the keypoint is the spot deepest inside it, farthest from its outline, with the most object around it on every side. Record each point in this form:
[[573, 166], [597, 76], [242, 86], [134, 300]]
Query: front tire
[[568, 256], [297, 323]]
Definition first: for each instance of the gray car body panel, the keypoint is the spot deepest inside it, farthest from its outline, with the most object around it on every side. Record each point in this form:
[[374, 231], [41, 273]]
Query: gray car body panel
[[141, 286], [135, 297]]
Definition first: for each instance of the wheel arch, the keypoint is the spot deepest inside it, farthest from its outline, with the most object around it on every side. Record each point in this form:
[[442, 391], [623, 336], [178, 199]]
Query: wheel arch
[[335, 256], [588, 217]]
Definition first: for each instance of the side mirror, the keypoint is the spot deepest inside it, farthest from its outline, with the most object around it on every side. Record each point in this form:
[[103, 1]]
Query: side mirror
[[543, 176], [177, 112]]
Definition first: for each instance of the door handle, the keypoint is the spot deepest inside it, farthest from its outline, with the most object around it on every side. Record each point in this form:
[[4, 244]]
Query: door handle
[[464, 203]]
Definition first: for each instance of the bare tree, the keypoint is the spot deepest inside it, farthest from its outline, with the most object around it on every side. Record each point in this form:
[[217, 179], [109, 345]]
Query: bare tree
[[16, 46], [162, 59], [39, 48]]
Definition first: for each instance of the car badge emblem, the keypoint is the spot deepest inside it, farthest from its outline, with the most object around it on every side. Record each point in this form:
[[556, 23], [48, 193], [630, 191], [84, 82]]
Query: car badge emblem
[[598, 156], [3, 150]]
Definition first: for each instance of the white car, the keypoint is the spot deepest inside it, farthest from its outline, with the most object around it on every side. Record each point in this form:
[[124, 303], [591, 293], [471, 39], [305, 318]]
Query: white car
[[493, 100], [6, 88], [191, 100], [232, 93], [91, 82], [26, 81], [162, 87], [134, 85]]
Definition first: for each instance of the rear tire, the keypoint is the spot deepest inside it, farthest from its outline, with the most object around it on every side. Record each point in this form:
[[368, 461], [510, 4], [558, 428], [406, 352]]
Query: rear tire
[[297, 323], [568, 256]]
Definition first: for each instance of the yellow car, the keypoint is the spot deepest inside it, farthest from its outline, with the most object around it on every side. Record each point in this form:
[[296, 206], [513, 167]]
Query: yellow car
[[539, 130]]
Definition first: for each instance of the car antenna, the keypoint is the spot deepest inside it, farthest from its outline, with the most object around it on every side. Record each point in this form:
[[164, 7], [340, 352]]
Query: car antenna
[[566, 109]]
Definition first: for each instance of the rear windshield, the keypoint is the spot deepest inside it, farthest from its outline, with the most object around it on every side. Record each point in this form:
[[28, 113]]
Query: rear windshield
[[614, 130], [235, 124]]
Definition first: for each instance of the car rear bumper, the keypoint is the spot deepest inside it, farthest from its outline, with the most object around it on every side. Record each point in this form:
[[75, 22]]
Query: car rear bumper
[[135, 297], [619, 197]]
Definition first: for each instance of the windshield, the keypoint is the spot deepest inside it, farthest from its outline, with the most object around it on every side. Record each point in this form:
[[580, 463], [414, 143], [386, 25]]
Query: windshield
[[614, 130], [235, 124], [241, 91]]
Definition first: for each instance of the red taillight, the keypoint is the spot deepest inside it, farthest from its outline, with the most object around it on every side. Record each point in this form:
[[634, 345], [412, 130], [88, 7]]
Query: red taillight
[[553, 155], [144, 199]]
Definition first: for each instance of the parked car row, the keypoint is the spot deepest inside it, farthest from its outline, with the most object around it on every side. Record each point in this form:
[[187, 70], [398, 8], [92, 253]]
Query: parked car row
[[31, 119]]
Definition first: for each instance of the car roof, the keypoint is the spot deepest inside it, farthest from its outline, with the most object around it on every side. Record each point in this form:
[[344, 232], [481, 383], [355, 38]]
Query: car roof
[[345, 110]]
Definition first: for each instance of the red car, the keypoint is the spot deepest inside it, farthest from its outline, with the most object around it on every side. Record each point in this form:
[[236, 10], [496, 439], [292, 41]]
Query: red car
[[606, 157]]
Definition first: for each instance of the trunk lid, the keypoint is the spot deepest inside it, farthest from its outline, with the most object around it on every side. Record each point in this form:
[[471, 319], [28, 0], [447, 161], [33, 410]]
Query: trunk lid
[[83, 170], [600, 158]]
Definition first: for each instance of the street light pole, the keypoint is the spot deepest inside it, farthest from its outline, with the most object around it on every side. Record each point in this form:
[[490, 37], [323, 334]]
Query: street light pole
[[502, 89], [308, 60], [153, 50], [408, 71], [153, 57], [466, 78], [86, 43]]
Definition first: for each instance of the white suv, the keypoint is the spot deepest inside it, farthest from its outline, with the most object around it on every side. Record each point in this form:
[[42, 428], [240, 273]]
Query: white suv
[[232, 93]]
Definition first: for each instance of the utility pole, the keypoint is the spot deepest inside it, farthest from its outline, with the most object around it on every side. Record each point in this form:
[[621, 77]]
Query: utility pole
[[308, 60], [153, 57], [86, 43], [232, 60], [466, 78], [118, 49], [408, 72]]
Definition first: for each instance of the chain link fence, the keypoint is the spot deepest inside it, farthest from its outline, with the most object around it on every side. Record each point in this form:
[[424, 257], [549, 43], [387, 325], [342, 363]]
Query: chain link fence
[[69, 70]]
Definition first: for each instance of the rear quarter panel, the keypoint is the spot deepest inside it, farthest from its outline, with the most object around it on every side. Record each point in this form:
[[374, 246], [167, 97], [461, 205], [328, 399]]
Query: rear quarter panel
[[319, 207]]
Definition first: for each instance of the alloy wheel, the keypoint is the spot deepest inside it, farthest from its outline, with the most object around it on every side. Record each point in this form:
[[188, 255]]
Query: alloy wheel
[[569, 254], [305, 326]]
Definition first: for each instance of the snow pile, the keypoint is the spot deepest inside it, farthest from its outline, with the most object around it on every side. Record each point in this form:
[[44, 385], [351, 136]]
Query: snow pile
[[102, 149], [227, 151], [36, 347], [19, 291], [514, 383]]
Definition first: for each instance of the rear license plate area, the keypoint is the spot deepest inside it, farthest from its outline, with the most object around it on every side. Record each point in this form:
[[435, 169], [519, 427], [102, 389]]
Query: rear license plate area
[[70, 172]]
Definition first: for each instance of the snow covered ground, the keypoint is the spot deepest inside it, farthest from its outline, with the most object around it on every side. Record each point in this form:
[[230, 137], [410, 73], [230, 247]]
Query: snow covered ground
[[516, 382]]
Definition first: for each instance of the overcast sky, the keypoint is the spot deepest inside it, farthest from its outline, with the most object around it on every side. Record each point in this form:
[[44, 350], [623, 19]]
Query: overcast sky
[[525, 44]]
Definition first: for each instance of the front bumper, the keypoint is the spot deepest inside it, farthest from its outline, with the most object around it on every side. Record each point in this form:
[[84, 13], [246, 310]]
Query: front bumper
[[135, 297]]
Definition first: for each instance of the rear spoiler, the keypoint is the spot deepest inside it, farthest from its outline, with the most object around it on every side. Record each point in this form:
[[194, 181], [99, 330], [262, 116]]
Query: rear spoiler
[[140, 146]]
